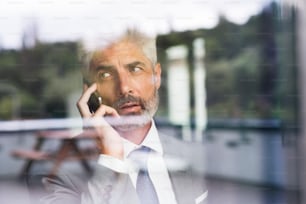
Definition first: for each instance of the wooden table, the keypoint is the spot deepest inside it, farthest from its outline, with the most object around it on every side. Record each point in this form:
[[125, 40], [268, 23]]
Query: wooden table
[[67, 150]]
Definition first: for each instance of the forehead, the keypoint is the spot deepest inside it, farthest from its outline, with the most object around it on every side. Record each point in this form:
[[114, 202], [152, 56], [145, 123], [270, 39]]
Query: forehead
[[123, 51]]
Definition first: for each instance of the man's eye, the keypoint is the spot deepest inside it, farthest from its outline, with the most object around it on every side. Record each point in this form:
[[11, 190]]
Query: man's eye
[[136, 69], [104, 75]]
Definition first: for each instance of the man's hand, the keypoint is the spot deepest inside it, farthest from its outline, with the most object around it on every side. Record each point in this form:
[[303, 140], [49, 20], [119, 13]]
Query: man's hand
[[110, 142]]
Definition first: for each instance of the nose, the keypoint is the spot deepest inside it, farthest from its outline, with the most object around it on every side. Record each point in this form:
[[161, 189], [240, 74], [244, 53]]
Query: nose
[[124, 83]]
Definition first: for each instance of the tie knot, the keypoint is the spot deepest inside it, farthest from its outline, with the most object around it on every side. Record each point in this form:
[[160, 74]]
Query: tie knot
[[140, 156]]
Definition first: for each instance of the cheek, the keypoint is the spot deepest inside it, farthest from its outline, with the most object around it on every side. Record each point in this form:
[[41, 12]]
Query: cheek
[[147, 90], [107, 94]]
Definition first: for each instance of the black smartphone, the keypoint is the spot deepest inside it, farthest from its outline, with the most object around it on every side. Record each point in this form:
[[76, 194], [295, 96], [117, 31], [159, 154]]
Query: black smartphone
[[94, 101]]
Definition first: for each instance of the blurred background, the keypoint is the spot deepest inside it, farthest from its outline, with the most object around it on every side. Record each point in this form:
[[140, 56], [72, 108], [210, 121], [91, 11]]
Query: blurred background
[[233, 81]]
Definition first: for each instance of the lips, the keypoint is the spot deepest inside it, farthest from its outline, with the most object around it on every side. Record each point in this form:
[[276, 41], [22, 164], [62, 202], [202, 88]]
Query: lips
[[129, 108]]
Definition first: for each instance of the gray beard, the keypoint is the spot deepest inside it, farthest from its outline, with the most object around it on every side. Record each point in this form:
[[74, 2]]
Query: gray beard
[[132, 122]]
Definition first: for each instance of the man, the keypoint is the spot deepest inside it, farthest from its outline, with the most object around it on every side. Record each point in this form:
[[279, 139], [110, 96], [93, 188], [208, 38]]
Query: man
[[135, 161]]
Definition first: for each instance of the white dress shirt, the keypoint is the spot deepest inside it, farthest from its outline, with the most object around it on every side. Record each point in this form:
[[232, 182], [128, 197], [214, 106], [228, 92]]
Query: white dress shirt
[[156, 165]]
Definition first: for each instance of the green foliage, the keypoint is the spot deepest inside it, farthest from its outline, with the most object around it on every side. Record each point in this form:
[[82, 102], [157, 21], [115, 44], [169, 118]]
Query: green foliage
[[232, 85], [6, 109], [44, 76], [250, 69]]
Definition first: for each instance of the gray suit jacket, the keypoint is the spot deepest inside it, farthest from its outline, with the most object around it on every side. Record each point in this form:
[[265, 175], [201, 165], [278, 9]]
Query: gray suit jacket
[[107, 186]]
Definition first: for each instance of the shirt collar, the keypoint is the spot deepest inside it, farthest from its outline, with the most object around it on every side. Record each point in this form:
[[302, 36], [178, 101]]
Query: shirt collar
[[151, 140]]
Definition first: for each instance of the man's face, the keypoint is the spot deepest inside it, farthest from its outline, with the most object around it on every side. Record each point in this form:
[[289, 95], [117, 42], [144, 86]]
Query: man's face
[[126, 79]]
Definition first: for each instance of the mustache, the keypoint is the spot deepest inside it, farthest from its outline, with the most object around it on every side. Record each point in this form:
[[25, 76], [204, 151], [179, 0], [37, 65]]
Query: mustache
[[129, 98]]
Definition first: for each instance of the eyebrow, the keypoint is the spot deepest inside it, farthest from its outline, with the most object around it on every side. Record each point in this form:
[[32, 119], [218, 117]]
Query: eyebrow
[[133, 64], [103, 67], [111, 67]]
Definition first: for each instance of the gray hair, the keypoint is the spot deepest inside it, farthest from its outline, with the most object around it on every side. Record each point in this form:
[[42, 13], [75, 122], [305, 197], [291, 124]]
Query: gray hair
[[143, 41]]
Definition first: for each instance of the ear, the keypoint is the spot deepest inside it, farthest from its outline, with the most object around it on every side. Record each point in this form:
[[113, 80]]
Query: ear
[[157, 75]]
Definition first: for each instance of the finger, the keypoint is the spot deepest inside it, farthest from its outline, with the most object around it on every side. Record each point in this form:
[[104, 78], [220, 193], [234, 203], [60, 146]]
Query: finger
[[104, 110], [85, 87], [87, 92], [82, 103]]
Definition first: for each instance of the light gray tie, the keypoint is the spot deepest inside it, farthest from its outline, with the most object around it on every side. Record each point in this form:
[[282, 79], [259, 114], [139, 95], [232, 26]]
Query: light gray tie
[[144, 186]]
